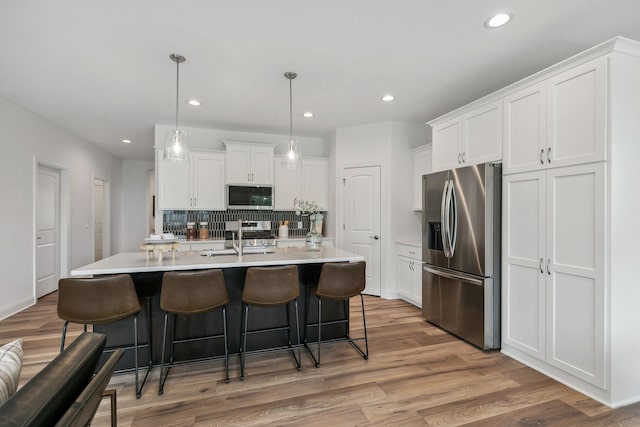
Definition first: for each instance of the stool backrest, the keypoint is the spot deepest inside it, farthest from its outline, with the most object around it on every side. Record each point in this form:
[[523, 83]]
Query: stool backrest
[[271, 286], [341, 280], [97, 300], [191, 292]]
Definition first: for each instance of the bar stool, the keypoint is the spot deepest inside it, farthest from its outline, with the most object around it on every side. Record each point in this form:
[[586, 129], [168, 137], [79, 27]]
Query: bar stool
[[187, 293], [102, 300], [338, 282], [270, 287]]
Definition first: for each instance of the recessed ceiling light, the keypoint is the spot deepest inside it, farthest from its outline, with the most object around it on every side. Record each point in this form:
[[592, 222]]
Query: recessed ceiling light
[[126, 141], [497, 20], [308, 114], [194, 102], [388, 98]]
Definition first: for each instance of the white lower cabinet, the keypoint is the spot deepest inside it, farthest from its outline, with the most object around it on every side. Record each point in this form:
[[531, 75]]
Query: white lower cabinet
[[409, 273], [553, 298]]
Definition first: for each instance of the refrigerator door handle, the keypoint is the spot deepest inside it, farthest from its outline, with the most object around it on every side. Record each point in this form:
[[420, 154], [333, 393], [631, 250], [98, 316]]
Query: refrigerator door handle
[[443, 219], [453, 228], [447, 223], [465, 278]]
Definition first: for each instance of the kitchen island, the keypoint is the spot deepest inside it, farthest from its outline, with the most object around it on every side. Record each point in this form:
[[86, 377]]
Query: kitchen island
[[147, 277]]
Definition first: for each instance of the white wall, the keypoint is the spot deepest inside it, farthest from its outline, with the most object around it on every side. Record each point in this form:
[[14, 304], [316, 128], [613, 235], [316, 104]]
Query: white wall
[[27, 136], [388, 144], [134, 218]]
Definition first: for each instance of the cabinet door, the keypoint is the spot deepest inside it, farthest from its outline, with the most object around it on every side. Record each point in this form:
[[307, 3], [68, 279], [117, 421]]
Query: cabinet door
[[238, 164], [575, 271], [525, 129], [447, 139], [314, 180], [261, 165], [482, 130], [416, 270], [286, 186], [523, 278], [208, 181], [576, 114], [174, 180], [404, 277], [421, 166]]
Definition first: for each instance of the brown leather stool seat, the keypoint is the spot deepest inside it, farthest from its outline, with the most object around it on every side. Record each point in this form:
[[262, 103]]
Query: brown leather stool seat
[[338, 282], [187, 293], [270, 287], [101, 300]]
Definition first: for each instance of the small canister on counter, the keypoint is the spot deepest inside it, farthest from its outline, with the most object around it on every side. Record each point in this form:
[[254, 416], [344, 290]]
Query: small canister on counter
[[191, 230], [204, 230]]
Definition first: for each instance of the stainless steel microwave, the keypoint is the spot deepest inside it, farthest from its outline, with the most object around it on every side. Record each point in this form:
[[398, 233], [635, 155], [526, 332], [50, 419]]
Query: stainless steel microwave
[[249, 197]]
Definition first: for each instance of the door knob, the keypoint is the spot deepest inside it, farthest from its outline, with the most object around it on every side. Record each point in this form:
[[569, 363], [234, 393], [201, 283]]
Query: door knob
[[374, 237]]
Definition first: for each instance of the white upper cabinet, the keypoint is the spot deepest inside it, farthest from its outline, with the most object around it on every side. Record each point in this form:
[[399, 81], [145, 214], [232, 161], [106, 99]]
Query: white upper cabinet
[[421, 166], [194, 185], [208, 181], [525, 129], [558, 122], [308, 182], [249, 163], [286, 186], [314, 181], [473, 137], [577, 114], [447, 142]]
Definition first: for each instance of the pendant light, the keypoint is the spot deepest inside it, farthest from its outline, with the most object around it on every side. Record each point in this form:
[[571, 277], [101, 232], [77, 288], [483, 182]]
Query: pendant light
[[292, 156], [175, 147]]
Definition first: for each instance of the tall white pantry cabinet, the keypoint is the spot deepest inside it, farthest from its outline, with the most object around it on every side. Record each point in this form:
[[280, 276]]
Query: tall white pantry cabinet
[[571, 222]]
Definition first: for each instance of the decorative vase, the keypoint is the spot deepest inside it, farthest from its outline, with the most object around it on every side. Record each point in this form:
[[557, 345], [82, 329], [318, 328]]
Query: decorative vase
[[314, 238]]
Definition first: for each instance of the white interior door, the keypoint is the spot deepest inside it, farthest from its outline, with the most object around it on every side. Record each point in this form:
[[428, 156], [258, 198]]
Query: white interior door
[[47, 230], [361, 213]]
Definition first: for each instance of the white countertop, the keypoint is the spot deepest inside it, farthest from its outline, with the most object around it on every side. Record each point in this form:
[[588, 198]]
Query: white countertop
[[416, 243], [137, 262]]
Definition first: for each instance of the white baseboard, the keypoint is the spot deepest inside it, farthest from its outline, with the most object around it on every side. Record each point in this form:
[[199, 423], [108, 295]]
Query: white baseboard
[[15, 307]]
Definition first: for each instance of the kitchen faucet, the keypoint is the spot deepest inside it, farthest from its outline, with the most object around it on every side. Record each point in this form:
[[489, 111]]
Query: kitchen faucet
[[237, 247]]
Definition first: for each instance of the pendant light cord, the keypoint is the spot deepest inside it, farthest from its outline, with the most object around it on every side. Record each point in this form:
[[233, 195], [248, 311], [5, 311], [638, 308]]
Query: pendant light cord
[[290, 112], [177, 89]]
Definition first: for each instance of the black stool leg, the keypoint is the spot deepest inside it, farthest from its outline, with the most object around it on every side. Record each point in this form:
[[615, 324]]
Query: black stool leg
[[299, 360], [164, 345], [64, 334], [226, 345], [243, 338], [319, 330], [135, 349], [364, 324]]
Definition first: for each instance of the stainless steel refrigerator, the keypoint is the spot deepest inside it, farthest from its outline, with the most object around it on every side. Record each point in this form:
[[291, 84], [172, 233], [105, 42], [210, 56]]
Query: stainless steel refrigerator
[[461, 252]]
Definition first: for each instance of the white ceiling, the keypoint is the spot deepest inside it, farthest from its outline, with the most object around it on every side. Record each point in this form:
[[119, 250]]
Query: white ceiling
[[101, 69]]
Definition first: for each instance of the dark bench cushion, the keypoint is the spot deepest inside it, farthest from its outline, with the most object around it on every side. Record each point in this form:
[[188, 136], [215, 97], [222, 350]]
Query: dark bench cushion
[[45, 398]]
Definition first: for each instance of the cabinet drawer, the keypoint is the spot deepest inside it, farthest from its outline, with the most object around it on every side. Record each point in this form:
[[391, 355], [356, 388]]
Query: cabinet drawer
[[409, 251]]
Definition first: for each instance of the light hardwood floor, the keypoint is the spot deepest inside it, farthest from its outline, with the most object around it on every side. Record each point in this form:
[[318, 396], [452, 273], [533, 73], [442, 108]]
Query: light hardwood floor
[[417, 375]]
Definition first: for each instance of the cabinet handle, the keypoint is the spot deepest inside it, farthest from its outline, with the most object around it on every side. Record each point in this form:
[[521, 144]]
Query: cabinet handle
[[411, 265], [412, 252], [549, 154], [540, 265], [459, 158], [548, 262], [464, 157], [541, 154], [195, 202]]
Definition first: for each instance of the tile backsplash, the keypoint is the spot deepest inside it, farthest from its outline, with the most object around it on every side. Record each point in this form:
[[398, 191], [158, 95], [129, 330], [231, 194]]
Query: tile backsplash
[[176, 221]]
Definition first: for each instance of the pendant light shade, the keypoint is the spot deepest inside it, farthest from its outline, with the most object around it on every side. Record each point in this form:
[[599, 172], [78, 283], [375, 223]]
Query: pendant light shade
[[292, 155], [175, 146]]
